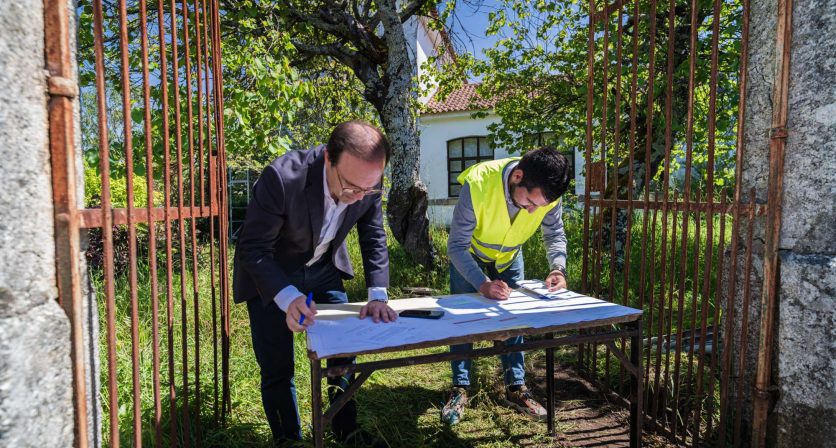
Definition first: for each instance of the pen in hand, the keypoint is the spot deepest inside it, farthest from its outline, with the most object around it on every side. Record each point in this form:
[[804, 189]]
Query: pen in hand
[[307, 304]]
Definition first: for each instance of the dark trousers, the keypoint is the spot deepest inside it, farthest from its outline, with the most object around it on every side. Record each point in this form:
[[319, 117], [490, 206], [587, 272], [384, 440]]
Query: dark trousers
[[273, 346]]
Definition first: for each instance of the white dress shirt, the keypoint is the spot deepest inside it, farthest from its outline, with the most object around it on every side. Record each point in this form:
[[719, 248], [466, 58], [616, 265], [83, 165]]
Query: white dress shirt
[[331, 222]]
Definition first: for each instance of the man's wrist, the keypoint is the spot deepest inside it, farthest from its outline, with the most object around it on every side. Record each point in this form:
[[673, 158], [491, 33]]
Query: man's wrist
[[378, 294], [287, 295], [561, 270]]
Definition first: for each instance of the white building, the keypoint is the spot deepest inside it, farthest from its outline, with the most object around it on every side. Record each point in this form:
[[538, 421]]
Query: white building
[[451, 140]]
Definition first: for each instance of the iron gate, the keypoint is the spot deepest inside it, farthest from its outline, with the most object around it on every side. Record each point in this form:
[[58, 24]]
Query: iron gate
[[667, 226], [159, 208]]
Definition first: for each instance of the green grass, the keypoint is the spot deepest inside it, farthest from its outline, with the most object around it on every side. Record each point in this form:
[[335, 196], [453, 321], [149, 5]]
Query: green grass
[[402, 405]]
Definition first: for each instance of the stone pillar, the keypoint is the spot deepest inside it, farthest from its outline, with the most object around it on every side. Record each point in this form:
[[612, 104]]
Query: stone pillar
[[35, 374], [805, 342], [804, 414]]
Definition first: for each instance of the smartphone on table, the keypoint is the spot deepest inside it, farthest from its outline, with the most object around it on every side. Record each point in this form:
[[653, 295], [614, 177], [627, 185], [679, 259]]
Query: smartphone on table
[[422, 314]]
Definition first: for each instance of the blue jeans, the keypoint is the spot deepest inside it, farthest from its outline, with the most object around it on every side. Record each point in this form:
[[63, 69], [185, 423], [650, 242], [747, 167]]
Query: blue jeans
[[513, 364], [273, 347]]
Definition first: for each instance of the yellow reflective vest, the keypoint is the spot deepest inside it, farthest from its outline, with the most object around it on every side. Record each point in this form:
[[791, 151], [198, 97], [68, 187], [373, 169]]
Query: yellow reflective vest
[[496, 238]]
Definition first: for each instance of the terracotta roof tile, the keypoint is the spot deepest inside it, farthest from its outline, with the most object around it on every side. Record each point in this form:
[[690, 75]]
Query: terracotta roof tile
[[462, 99]]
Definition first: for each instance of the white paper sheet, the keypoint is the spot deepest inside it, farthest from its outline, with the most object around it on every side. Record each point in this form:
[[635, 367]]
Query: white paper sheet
[[339, 330]]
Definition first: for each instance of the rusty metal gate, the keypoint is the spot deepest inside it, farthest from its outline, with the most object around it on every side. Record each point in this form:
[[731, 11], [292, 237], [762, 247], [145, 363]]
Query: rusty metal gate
[[667, 226], [157, 222]]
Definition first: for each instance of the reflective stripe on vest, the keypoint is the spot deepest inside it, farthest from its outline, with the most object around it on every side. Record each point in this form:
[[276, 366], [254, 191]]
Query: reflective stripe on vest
[[496, 239]]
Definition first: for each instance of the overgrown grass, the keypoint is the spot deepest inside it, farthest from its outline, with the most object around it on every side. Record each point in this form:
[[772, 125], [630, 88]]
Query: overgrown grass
[[401, 405]]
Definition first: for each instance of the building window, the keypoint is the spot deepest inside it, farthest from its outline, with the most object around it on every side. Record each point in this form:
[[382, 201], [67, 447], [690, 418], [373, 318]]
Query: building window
[[463, 153]]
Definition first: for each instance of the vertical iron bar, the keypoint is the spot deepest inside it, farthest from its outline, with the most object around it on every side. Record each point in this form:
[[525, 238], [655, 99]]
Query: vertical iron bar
[[597, 273], [152, 238], [671, 295], [665, 204], [201, 142], [739, 150], [632, 149], [599, 234], [715, 349], [648, 145], [172, 391], [107, 223], [212, 210], [129, 177], [647, 166], [689, 148], [703, 327], [744, 326], [223, 218], [709, 239], [63, 90], [178, 138], [650, 305], [775, 192], [590, 85], [693, 324], [616, 162], [193, 220]]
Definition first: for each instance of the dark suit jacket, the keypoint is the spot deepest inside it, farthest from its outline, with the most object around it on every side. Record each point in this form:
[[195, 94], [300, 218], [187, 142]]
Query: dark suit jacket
[[282, 226]]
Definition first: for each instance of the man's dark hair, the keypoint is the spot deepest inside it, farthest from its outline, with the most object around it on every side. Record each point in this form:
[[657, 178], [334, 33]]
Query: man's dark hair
[[546, 169], [360, 139]]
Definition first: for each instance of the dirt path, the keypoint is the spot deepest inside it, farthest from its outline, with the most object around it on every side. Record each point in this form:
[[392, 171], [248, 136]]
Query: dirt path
[[586, 418]]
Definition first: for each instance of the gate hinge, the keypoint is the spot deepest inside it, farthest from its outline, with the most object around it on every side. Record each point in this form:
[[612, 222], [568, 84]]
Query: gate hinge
[[61, 86], [778, 132]]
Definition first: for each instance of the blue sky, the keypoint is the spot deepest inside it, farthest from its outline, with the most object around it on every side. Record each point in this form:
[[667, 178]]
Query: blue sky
[[468, 25]]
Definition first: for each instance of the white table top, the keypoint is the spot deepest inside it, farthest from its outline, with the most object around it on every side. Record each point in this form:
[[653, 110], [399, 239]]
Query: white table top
[[339, 331]]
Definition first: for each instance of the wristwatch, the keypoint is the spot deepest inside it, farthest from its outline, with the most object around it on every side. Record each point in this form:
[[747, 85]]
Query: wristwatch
[[562, 271]]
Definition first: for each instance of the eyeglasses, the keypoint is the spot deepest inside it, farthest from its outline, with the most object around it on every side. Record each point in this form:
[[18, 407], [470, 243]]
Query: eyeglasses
[[355, 190]]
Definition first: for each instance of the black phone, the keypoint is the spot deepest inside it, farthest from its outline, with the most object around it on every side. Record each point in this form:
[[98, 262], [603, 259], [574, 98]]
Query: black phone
[[422, 314]]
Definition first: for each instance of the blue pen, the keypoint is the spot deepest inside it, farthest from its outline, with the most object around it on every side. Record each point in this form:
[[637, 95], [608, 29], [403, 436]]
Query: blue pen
[[307, 304]]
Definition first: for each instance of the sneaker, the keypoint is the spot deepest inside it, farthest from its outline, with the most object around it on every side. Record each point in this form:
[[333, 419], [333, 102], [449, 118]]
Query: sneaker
[[523, 401], [453, 410]]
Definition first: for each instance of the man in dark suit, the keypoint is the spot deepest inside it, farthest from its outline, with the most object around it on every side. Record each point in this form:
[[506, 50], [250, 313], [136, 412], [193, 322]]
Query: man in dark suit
[[292, 243]]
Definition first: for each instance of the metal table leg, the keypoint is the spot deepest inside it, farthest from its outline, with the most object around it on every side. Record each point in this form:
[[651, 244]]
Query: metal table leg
[[636, 393], [550, 387]]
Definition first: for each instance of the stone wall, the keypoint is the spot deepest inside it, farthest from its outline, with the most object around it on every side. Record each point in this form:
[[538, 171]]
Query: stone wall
[[804, 354], [805, 368], [35, 373]]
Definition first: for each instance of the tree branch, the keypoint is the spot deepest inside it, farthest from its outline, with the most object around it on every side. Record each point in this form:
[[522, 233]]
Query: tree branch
[[335, 20], [336, 50]]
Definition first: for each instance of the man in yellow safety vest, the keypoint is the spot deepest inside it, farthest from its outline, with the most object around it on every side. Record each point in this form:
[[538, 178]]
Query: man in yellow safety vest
[[501, 205]]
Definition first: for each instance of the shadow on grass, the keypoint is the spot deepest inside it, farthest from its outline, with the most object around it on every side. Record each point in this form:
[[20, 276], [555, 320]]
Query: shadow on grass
[[409, 416], [183, 431], [406, 416]]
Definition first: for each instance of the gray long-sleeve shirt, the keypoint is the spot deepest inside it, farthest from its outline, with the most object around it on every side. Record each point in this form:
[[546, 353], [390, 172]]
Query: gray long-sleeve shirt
[[464, 223]]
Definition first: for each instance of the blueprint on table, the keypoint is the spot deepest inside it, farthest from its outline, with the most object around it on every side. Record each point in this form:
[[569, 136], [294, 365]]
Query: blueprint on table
[[339, 330]]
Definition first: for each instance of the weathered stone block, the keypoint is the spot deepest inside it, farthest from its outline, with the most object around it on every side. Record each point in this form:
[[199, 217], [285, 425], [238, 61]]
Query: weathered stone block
[[809, 214], [35, 384], [27, 266], [806, 347]]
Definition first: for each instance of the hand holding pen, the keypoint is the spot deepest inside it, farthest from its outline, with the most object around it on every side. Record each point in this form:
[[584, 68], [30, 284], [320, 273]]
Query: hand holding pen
[[300, 313]]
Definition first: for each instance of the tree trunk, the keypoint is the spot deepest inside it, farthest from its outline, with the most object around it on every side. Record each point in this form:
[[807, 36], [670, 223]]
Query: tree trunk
[[408, 199]]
